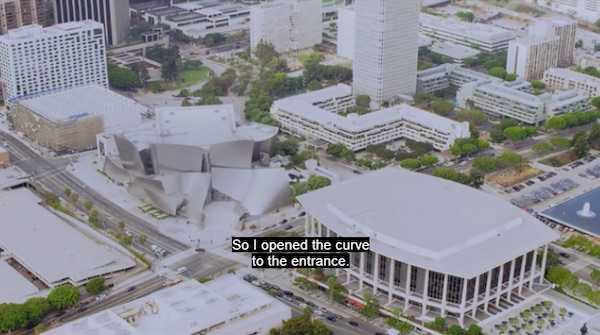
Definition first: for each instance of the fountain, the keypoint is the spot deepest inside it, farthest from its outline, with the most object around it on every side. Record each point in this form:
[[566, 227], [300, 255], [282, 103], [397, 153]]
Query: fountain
[[586, 211]]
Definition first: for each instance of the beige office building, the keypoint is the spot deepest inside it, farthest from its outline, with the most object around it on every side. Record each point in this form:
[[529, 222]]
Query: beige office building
[[17, 13]]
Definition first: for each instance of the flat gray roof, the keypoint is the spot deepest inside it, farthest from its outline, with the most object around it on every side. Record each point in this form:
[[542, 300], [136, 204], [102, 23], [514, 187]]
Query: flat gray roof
[[71, 104], [427, 221], [187, 308], [15, 288], [50, 247]]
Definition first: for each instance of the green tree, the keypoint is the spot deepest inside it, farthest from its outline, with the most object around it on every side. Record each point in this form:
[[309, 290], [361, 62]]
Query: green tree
[[538, 84], [466, 16], [93, 218], [63, 297], [12, 317], [472, 115], [474, 330], [596, 102], [316, 182], [337, 292], [498, 72], [410, 163], [95, 286], [556, 123], [511, 159], [428, 160], [314, 85], [371, 306], [596, 276], [438, 324], [88, 205], [363, 100], [542, 148], [265, 53], [517, 133], [561, 277], [456, 330], [485, 164], [510, 77], [580, 144], [122, 78], [302, 325], [340, 151], [442, 107], [36, 309], [594, 136]]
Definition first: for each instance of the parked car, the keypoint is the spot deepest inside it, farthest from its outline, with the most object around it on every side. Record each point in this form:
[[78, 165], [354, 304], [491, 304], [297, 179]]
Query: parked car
[[353, 323]]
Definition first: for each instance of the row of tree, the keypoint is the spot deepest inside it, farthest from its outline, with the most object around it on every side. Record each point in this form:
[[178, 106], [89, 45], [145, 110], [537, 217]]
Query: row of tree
[[34, 310]]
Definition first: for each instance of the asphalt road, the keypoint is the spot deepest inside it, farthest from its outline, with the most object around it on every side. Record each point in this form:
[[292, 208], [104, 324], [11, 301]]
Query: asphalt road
[[56, 179]]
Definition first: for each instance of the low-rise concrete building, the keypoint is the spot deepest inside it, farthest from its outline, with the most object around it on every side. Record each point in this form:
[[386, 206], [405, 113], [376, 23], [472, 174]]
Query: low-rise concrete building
[[69, 120], [222, 306], [319, 115], [512, 100], [565, 79]]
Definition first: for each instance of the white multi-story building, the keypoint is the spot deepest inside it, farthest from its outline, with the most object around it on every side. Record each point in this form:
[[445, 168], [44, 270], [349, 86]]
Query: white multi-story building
[[346, 30], [427, 257], [549, 43], [481, 36], [35, 60], [288, 25], [443, 76], [317, 115], [565, 79], [511, 99], [385, 57], [586, 10], [531, 55]]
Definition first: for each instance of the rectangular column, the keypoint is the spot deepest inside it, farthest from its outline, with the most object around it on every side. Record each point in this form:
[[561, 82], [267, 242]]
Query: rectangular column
[[307, 225], [463, 302], [499, 290], [532, 271], [361, 271], [544, 259], [522, 274], [511, 278], [445, 295], [407, 286], [425, 293], [391, 279], [488, 288], [375, 273], [475, 297]]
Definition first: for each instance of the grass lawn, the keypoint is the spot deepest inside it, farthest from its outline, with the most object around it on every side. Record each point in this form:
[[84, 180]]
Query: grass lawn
[[560, 159], [510, 177], [191, 77]]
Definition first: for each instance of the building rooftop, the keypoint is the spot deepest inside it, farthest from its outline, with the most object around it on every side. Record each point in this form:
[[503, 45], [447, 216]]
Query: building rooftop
[[12, 176], [198, 126], [187, 308], [15, 288], [574, 75], [477, 31], [35, 31], [427, 221], [49, 246], [68, 105], [566, 213], [454, 51], [304, 106]]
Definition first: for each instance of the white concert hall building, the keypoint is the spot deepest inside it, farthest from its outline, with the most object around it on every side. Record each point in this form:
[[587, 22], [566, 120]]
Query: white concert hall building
[[437, 247]]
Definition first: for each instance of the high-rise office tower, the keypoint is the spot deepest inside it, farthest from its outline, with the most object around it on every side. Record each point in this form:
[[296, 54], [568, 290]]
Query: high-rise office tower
[[385, 58], [36, 60], [17, 13], [114, 14], [289, 25], [549, 43], [566, 29]]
